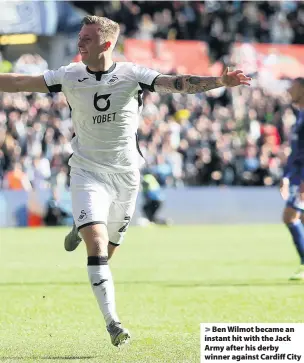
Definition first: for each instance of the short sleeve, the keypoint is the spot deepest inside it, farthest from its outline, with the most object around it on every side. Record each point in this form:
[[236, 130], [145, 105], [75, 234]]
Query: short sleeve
[[54, 79], [145, 77]]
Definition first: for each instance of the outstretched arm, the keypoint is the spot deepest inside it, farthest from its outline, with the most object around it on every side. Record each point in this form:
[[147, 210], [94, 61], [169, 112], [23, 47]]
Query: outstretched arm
[[13, 82], [197, 84]]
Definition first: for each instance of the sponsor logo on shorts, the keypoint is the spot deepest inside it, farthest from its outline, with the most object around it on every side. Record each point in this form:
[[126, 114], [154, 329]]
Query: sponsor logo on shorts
[[82, 216]]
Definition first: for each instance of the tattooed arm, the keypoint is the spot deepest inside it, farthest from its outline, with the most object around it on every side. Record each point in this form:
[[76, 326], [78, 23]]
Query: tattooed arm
[[186, 84], [197, 84]]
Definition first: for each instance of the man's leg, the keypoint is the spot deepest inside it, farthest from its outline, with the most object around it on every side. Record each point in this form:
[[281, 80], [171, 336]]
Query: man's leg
[[91, 200], [112, 248], [72, 239], [156, 204], [122, 209], [96, 240], [292, 219], [147, 210]]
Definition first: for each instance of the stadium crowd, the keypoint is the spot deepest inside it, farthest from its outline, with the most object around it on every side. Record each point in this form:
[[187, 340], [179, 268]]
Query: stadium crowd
[[224, 137], [219, 23]]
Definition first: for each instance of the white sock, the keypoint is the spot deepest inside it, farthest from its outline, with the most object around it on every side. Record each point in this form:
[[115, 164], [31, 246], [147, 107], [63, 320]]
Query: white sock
[[103, 287]]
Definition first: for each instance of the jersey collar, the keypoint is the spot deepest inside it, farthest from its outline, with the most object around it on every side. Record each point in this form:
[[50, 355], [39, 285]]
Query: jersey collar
[[100, 73]]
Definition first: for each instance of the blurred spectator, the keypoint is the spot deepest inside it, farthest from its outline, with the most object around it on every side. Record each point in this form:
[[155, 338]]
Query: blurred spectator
[[281, 31], [41, 172], [55, 215], [30, 64], [16, 179], [5, 65], [153, 198]]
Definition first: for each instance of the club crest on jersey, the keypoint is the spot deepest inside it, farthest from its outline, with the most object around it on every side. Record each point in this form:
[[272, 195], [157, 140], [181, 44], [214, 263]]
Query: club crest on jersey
[[113, 80], [82, 216]]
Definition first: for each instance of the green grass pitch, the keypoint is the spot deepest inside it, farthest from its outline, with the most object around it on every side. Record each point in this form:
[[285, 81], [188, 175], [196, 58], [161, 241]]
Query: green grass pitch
[[168, 281]]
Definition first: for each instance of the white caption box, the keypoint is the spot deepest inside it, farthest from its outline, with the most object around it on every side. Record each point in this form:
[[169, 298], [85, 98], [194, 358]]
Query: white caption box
[[242, 342]]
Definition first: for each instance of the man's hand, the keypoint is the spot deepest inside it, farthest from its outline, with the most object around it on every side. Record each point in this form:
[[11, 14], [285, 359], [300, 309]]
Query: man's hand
[[234, 78], [284, 188]]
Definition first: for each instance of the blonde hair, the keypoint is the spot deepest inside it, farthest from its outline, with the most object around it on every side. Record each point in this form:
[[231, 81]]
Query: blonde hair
[[109, 28]]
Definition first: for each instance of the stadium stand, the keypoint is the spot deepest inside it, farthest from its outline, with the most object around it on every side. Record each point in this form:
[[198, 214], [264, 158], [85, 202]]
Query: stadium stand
[[218, 138]]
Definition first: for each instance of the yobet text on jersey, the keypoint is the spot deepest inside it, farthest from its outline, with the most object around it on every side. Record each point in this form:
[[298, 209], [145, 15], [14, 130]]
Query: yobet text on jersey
[[104, 118]]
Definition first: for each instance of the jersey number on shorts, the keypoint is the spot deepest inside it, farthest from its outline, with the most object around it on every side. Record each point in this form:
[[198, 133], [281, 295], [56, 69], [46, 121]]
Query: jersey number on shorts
[[125, 226], [102, 97]]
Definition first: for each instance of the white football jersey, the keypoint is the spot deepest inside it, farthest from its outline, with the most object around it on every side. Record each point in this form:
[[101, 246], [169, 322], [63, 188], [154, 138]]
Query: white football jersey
[[105, 110]]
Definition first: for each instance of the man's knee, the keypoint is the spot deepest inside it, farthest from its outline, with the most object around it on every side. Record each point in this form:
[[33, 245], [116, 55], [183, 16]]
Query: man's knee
[[96, 239], [290, 215]]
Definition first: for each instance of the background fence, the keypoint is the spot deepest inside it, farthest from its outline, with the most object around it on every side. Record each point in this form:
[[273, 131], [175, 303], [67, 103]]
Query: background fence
[[184, 206]]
